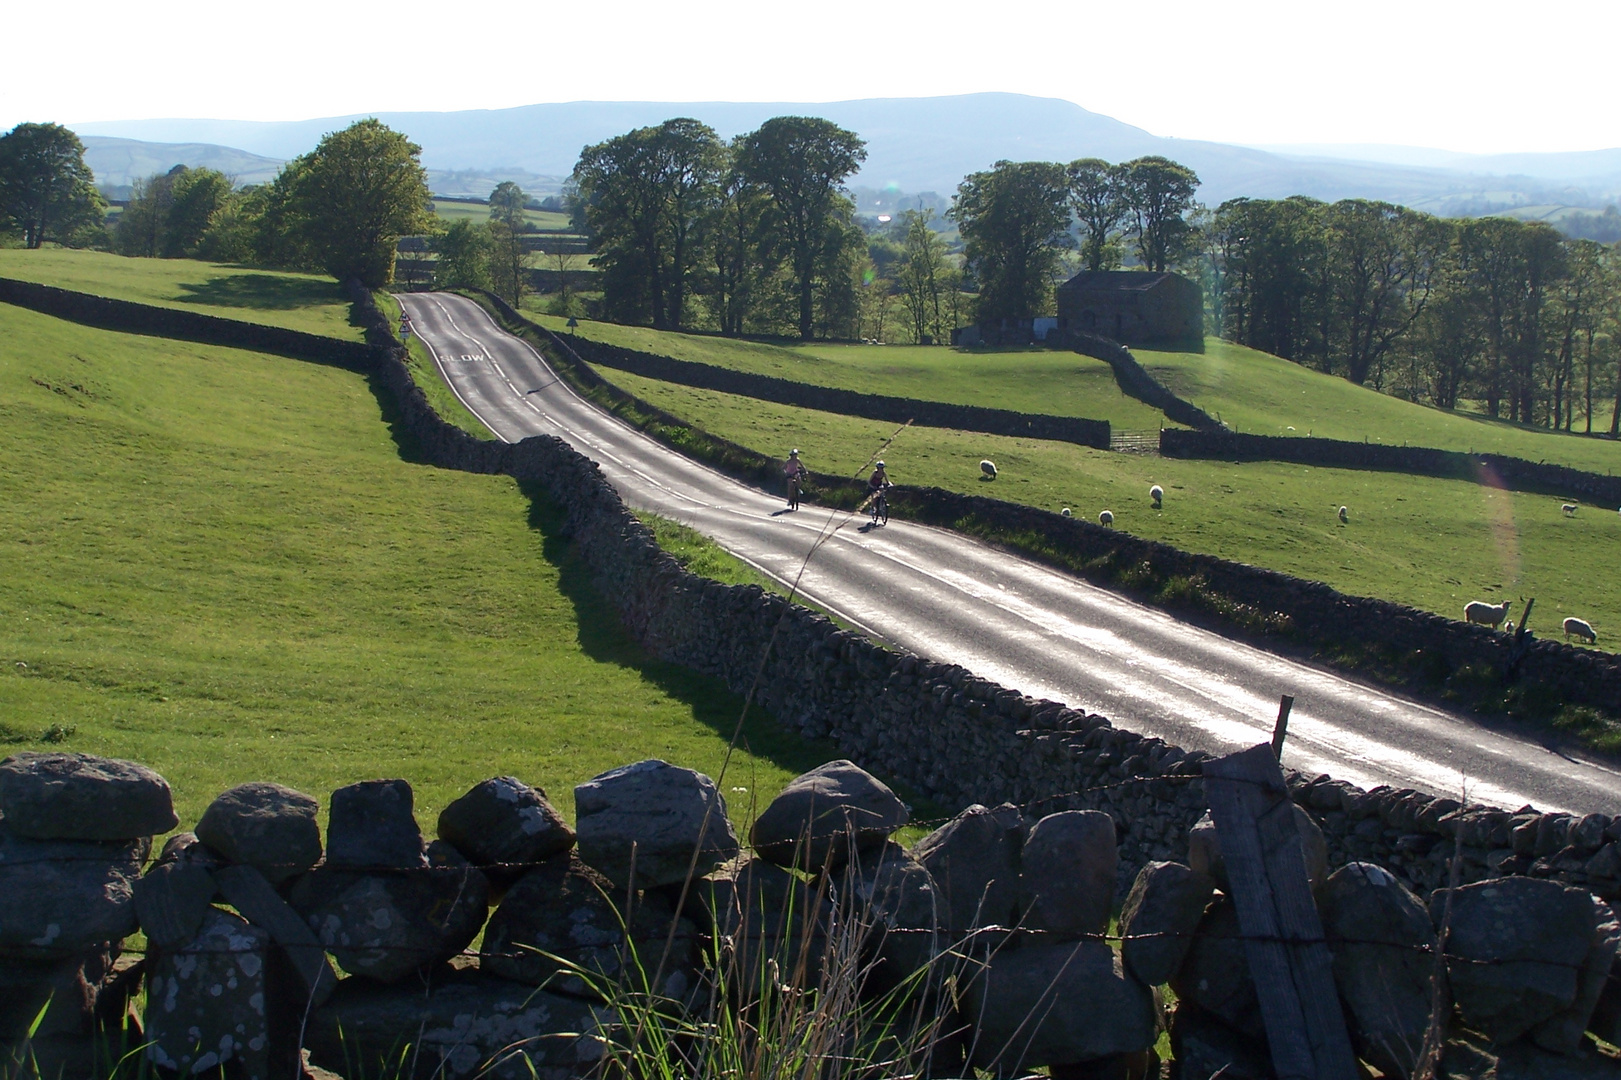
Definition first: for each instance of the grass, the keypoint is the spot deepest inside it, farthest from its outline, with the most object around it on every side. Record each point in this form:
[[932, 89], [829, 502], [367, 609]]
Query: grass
[[1434, 544], [221, 564], [1031, 380], [308, 302], [541, 219], [1260, 394]]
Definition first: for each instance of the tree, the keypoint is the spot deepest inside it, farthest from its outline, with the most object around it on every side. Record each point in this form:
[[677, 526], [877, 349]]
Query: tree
[[200, 195], [47, 192], [1383, 261], [143, 226], [1157, 193], [1096, 192], [741, 256], [801, 162], [508, 256], [1014, 220], [921, 273], [355, 195], [463, 256]]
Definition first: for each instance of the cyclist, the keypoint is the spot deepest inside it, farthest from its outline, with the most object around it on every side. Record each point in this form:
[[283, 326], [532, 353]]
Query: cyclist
[[793, 471], [875, 493]]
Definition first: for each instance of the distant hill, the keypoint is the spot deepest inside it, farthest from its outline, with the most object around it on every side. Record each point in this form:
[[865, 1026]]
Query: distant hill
[[118, 163], [929, 144]]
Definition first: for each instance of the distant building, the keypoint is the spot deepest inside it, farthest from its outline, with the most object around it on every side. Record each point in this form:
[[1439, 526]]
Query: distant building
[[1133, 307]]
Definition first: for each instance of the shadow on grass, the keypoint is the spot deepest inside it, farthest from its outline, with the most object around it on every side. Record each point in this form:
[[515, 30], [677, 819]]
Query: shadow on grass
[[604, 640], [267, 292]]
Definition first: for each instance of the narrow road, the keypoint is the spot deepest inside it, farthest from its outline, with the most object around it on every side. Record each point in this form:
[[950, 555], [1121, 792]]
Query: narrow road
[[950, 598]]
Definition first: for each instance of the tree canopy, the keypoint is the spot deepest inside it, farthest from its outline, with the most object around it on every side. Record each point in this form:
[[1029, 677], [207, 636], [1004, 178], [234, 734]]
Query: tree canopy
[[47, 192], [1014, 221]]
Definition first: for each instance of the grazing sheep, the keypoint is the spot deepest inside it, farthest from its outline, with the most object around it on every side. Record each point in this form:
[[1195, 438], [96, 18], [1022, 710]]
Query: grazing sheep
[[1569, 509], [1345, 516], [1065, 511], [988, 468], [1105, 519], [1156, 493], [1582, 629], [1492, 615]]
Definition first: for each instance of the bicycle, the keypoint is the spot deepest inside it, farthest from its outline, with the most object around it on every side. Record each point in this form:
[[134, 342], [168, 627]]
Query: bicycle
[[879, 510]]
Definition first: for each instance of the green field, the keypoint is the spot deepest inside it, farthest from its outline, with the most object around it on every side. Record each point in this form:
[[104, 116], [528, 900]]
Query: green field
[[1434, 544], [1034, 380], [1261, 394], [309, 302], [454, 211], [221, 564]]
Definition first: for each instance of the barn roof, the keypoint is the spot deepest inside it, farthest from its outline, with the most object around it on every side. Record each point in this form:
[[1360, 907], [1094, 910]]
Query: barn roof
[[1114, 281]]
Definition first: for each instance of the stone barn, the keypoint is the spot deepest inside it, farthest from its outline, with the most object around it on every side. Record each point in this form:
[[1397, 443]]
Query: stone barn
[[1133, 307]]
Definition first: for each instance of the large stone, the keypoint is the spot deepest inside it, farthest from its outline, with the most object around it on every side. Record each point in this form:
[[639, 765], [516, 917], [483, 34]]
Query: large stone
[[1606, 1019], [81, 797], [371, 826], [1216, 974], [890, 898], [652, 821], [170, 901], [62, 898], [974, 860], [1202, 1047], [461, 1024], [1469, 1057], [1515, 950], [1562, 1033], [206, 1003], [566, 910], [387, 924], [1384, 963], [247, 890], [1057, 1003], [504, 827], [1204, 850], [266, 826], [763, 918], [825, 815], [1159, 918], [1067, 874]]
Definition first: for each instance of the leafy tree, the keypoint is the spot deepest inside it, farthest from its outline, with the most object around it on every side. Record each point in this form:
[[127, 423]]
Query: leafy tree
[[508, 256], [1383, 260], [277, 230], [1014, 221], [200, 195], [464, 251], [355, 195], [47, 192], [1096, 191], [742, 258], [1157, 193], [142, 228], [801, 163], [922, 273]]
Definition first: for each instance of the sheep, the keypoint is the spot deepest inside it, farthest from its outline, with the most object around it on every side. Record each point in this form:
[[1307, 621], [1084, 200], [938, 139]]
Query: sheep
[[1156, 493], [1065, 511], [1569, 509], [989, 469], [1492, 615], [1345, 516], [1106, 519], [1582, 629], [1508, 627]]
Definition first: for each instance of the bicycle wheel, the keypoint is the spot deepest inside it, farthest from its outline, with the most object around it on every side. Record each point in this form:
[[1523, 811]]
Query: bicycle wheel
[[880, 511]]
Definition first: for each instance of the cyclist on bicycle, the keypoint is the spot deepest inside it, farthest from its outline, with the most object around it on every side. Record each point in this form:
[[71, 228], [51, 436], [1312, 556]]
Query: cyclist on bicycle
[[793, 471], [875, 492]]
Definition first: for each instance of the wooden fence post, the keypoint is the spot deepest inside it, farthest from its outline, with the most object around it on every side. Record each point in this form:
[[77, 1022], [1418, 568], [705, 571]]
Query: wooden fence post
[[1283, 936]]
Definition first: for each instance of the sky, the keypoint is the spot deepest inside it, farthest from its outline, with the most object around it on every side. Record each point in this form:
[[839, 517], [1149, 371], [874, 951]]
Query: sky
[[1479, 77]]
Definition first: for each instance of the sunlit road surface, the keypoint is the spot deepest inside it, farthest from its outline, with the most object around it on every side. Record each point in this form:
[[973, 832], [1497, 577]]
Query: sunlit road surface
[[950, 598]]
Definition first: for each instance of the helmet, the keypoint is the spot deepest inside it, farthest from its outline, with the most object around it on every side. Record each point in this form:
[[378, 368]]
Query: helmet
[[880, 464], [794, 452]]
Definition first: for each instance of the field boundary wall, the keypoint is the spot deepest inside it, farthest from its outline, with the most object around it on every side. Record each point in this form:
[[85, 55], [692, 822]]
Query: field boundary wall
[[1135, 381], [1494, 470], [938, 729]]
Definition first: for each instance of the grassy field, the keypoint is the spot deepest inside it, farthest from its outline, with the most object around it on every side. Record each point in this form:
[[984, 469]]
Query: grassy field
[[221, 564], [1435, 544], [453, 211], [308, 302], [1261, 394], [1026, 380]]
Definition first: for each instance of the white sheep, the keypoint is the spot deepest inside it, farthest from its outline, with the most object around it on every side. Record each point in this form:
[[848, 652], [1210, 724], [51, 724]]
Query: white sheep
[[1065, 511], [1569, 509], [1582, 629], [1156, 493], [1508, 627], [988, 468], [1345, 516], [1492, 615], [1106, 519]]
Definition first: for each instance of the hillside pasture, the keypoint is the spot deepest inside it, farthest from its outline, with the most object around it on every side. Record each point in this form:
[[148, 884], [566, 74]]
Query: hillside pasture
[[1435, 544], [313, 303], [221, 564]]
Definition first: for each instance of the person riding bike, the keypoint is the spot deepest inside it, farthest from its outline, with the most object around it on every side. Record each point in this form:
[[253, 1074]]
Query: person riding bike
[[878, 504], [794, 472]]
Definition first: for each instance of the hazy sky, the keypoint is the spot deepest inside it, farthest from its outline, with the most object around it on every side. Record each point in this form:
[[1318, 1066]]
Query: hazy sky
[[1482, 76]]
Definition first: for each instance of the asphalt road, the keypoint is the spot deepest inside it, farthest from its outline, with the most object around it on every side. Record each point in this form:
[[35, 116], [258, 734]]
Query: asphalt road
[[950, 598]]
